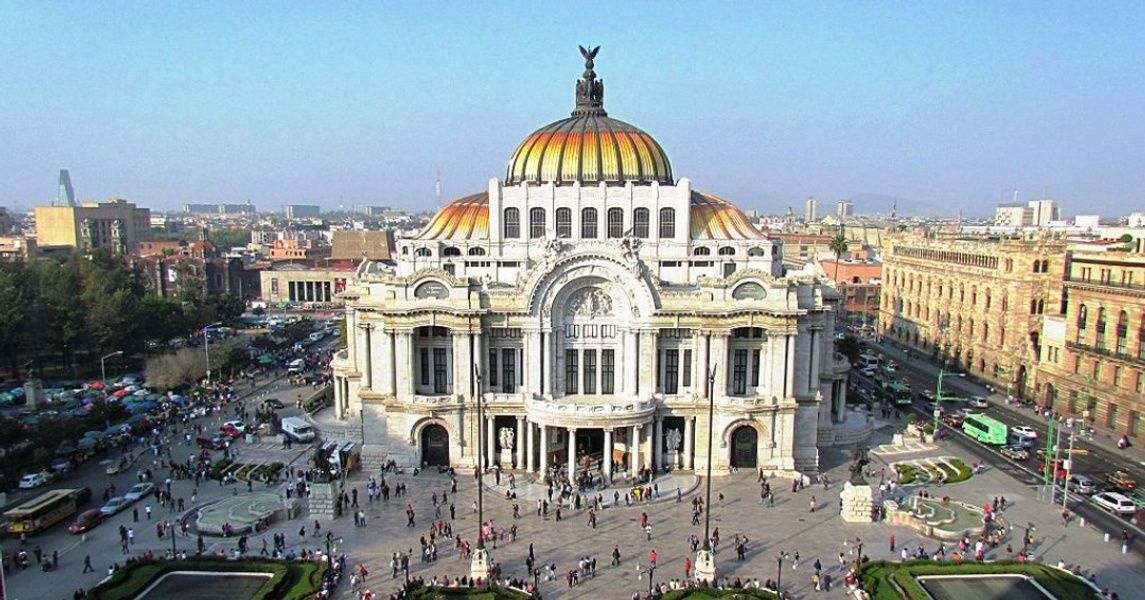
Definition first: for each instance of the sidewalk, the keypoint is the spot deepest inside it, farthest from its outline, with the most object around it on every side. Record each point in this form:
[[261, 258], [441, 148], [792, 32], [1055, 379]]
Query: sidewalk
[[1102, 438]]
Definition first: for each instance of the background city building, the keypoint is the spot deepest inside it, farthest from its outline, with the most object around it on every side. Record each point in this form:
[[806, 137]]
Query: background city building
[[117, 224]]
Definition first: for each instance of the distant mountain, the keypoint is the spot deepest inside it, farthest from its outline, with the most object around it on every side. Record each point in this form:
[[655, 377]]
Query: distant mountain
[[882, 204]]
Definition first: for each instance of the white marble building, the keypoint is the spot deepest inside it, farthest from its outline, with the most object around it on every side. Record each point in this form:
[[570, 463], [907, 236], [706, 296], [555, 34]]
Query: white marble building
[[593, 303]]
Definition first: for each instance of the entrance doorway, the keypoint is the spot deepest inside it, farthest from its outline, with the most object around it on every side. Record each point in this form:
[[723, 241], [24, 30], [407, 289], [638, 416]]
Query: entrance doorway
[[745, 442], [435, 446]]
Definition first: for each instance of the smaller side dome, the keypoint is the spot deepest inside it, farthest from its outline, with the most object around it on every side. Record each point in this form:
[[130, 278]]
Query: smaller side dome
[[466, 218], [714, 218]]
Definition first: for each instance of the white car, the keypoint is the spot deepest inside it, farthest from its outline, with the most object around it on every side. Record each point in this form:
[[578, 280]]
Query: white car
[[979, 402], [868, 372], [138, 491], [1024, 430], [33, 480], [1115, 502]]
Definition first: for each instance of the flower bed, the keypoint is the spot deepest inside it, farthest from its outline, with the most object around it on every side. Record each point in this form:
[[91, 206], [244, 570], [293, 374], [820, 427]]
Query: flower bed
[[885, 580]]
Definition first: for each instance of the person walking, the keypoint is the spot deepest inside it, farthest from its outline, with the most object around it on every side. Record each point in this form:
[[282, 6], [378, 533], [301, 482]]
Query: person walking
[[687, 567], [892, 543], [87, 568]]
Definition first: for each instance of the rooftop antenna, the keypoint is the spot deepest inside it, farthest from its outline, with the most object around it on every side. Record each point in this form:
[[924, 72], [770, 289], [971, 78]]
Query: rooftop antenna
[[1015, 195]]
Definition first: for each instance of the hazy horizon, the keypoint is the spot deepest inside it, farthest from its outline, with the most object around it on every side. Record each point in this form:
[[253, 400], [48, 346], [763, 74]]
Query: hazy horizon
[[952, 107]]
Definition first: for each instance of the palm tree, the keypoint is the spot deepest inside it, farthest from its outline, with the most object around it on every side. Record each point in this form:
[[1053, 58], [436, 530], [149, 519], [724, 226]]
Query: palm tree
[[839, 247]]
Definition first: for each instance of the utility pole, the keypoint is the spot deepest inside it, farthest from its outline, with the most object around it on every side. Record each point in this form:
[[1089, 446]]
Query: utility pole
[[939, 398], [1068, 466]]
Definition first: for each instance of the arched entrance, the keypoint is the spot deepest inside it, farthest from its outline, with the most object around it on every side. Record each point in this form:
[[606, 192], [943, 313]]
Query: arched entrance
[[745, 443], [435, 446]]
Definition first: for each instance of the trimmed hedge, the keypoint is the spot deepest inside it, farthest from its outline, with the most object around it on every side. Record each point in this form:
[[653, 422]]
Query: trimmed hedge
[[445, 593], [297, 580], [886, 580], [704, 593]]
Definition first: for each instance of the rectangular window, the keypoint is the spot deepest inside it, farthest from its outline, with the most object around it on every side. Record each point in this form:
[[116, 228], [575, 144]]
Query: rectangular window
[[607, 371], [1076, 364], [425, 366], [589, 371], [1111, 416], [687, 368], [1117, 376], [755, 356], [739, 372], [440, 371], [572, 372], [671, 371], [1096, 374], [492, 368], [1140, 383], [1134, 422], [509, 370], [536, 223]]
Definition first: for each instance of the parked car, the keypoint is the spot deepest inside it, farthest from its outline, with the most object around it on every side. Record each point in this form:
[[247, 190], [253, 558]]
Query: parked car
[[1017, 453], [33, 480], [1084, 485], [1121, 481], [1115, 502], [1024, 431], [139, 491], [87, 521], [217, 442], [114, 506], [979, 402], [61, 466]]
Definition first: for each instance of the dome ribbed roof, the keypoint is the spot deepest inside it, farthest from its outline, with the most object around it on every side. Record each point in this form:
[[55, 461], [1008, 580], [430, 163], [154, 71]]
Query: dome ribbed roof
[[589, 147]]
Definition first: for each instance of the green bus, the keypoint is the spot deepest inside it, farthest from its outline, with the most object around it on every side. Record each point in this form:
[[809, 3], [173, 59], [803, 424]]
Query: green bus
[[985, 430], [899, 393]]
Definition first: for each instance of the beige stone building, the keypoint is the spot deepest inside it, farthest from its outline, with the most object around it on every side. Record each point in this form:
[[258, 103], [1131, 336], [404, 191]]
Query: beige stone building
[[979, 302], [593, 303], [116, 224], [1093, 359]]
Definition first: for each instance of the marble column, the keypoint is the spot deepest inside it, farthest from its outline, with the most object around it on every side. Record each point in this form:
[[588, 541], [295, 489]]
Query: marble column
[[572, 453], [544, 450], [608, 455], [368, 372], [403, 365], [703, 364], [547, 374], [719, 358], [520, 443], [491, 440], [387, 354], [658, 446], [789, 368], [689, 432], [530, 448], [340, 410], [631, 365], [533, 368], [634, 451], [813, 375]]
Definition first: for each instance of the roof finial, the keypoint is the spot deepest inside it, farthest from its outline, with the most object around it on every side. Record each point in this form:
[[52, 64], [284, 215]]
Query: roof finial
[[589, 90]]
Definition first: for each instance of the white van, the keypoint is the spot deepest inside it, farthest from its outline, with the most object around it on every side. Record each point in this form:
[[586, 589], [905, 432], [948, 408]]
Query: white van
[[297, 365], [298, 429]]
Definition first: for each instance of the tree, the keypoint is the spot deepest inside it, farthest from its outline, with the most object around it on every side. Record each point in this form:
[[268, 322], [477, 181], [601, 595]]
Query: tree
[[850, 347], [16, 296], [839, 247]]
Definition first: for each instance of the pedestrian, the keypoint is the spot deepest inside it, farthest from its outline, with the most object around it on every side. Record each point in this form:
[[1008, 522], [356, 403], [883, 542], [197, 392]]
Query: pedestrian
[[87, 568], [812, 503]]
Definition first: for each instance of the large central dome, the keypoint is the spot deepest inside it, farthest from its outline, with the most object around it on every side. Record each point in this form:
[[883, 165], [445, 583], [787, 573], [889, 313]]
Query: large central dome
[[589, 147]]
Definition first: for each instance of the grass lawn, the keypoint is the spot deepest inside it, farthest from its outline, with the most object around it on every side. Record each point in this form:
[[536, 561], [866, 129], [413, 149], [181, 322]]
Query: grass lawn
[[291, 580], [884, 579], [714, 594], [496, 593]]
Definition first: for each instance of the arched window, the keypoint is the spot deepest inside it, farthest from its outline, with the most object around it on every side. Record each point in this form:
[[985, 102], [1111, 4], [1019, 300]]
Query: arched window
[[423, 252], [702, 251], [564, 222], [450, 251], [1100, 328], [615, 222], [727, 251], [512, 224], [588, 223], [477, 251], [667, 223], [755, 252], [1082, 322], [1122, 333], [640, 223], [1141, 341], [536, 222]]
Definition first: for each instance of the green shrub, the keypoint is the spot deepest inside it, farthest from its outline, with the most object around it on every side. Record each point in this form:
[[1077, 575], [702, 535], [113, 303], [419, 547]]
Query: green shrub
[[290, 580], [961, 471], [220, 467], [886, 580], [907, 474]]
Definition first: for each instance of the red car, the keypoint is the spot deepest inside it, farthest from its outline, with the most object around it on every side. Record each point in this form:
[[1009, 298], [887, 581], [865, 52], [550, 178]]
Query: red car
[[218, 442], [87, 521], [230, 430]]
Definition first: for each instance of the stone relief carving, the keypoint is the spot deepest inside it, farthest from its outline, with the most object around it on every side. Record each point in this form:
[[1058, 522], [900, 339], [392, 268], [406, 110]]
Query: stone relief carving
[[591, 302]]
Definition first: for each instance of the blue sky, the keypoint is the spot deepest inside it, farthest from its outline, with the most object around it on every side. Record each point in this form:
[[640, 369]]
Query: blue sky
[[950, 105]]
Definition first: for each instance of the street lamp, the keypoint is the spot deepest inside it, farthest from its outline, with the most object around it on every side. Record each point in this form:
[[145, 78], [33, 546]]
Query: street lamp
[[779, 558], [705, 558], [480, 565], [207, 348], [651, 571], [103, 367], [174, 551], [329, 550]]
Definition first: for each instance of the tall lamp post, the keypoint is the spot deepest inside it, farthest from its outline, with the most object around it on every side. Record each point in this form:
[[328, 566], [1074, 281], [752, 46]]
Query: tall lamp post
[[705, 557], [207, 347], [479, 567], [103, 364], [779, 558]]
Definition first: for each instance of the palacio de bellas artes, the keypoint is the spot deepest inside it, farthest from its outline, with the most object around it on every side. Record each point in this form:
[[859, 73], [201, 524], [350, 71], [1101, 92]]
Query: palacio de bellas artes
[[580, 313]]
